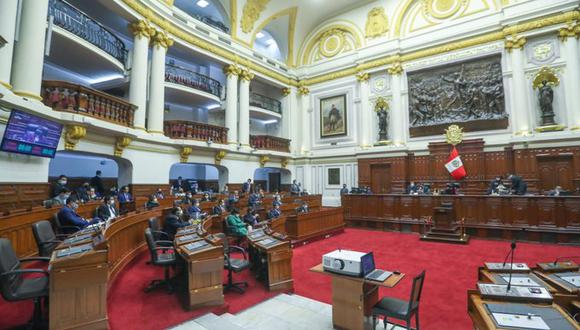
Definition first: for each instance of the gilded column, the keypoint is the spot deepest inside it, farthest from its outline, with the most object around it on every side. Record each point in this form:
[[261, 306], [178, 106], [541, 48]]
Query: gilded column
[[365, 127], [232, 72], [396, 119], [306, 119], [29, 50], [521, 122], [8, 10], [244, 120], [142, 32], [569, 38], [289, 116], [161, 42]]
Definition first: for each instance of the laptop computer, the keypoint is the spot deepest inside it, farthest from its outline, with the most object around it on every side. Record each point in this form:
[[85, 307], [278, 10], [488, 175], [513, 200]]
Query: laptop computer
[[369, 270]]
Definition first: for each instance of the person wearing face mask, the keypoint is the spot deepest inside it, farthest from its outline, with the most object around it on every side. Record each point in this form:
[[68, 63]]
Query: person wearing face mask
[[60, 199], [303, 208], [277, 201], [69, 218], [152, 202], [188, 199], [108, 211], [159, 194], [125, 195], [220, 208], [195, 211], [92, 194], [59, 185], [274, 212], [235, 225], [83, 192], [206, 198], [173, 222], [97, 182]]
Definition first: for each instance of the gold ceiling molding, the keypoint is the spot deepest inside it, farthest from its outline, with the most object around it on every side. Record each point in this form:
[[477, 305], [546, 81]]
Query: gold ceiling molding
[[73, 135], [303, 90], [246, 75], [571, 30], [515, 42], [232, 70], [292, 13], [263, 160], [251, 13], [363, 76], [331, 41], [377, 23], [442, 9], [120, 145], [284, 162], [396, 69]]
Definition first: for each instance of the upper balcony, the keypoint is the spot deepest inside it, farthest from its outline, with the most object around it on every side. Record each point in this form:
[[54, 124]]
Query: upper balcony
[[186, 87], [76, 37], [77, 99], [267, 142], [191, 130], [264, 107]]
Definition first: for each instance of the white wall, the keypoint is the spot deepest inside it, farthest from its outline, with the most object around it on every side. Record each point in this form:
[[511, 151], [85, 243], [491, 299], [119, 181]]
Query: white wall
[[81, 165]]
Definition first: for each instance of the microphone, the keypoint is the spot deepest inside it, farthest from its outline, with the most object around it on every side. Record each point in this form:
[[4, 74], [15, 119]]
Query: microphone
[[512, 248], [560, 258], [513, 252]]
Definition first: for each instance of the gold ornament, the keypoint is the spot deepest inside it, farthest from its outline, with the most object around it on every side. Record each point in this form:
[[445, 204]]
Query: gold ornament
[[442, 9], [246, 75], [251, 13], [547, 74], [141, 29], [161, 39], [570, 31], [381, 103], [73, 135], [396, 69], [286, 91], [303, 90], [184, 154], [263, 160], [363, 76], [232, 70], [219, 156], [515, 42], [454, 134], [377, 23], [120, 145], [332, 42], [284, 162]]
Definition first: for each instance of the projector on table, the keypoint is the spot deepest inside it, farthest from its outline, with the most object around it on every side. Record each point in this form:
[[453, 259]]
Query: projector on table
[[343, 262]]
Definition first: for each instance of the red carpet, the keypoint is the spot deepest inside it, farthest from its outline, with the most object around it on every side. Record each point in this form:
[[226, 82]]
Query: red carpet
[[451, 270]]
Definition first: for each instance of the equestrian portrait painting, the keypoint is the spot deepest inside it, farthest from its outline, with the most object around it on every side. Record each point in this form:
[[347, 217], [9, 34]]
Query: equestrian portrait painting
[[333, 116]]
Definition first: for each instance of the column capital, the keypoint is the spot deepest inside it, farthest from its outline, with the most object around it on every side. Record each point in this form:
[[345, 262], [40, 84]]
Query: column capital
[[184, 154], [232, 70], [515, 42], [303, 90], [395, 69], [161, 39], [286, 91], [122, 143], [141, 28], [571, 30], [363, 76], [246, 75], [73, 135]]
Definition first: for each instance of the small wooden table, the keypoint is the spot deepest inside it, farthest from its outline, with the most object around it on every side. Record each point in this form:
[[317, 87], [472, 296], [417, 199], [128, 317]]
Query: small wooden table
[[353, 297]]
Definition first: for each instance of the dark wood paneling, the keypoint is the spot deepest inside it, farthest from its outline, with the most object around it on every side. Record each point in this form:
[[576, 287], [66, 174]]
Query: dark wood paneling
[[14, 196], [144, 190]]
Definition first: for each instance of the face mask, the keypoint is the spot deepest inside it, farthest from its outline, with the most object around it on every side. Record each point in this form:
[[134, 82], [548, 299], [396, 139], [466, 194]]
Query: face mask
[[180, 213], [75, 206], [66, 195], [111, 202], [62, 181], [155, 201]]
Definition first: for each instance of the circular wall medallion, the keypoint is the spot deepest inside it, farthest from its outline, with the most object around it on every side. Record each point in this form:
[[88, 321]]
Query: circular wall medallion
[[331, 43], [442, 9]]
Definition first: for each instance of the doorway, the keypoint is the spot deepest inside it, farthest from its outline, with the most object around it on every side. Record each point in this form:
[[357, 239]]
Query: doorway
[[381, 178], [555, 171]]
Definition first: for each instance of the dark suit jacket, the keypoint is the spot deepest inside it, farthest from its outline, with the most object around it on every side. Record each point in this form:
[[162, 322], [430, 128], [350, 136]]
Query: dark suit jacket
[[104, 213], [172, 224], [56, 188], [124, 197], [246, 187], [273, 213], [68, 217], [218, 210], [97, 183]]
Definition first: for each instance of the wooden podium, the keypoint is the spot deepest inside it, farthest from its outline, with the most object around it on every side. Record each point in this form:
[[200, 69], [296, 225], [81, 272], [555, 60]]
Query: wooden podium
[[445, 227]]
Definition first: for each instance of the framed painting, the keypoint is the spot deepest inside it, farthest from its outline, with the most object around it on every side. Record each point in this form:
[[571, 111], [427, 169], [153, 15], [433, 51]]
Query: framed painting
[[333, 116], [334, 176]]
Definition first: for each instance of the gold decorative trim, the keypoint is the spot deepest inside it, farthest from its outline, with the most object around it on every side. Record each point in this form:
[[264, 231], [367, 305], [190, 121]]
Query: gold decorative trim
[[232, 70], [292, 13], [550, 128], [377, 23], [263, 160], [73, 135], [246, 75], [575, 128], [381, 103], [28, 95], [219, 156], [5, 84], [141, 29], [363, 76], [454, 134], [545, 74], [251, 13], [303, 90], [161, 39], [395, 69], [121, 144], [572, 30], [333, 28], [184, 154], [284, 162], [515, 42], [286, 91], [384, 143]]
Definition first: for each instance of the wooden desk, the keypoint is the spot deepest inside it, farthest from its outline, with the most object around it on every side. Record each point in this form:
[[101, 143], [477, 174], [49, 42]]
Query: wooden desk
[[204, 273], [278, 260], [304, 226], [353, 297], [486, 276], [482, 320]]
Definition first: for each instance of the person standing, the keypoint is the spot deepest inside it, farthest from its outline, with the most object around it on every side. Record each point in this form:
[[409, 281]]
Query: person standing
[[97, 182]]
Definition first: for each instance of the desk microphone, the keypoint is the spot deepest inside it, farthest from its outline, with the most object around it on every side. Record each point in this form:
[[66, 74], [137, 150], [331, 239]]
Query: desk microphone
[[512, 252], [560, 258], [512, 248]]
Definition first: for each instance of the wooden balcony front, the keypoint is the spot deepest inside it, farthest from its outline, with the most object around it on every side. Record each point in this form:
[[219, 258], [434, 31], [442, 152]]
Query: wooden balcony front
[[267, 142], [78, 99], [191, 130]]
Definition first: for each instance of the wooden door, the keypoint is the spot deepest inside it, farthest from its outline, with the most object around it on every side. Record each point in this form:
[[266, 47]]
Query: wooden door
[[274, 181], [381, 178], [555, 171]]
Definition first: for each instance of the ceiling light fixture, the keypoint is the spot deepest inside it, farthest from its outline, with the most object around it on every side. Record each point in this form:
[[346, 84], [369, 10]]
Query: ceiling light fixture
[[202, 3], [270, 42], [260, 35]]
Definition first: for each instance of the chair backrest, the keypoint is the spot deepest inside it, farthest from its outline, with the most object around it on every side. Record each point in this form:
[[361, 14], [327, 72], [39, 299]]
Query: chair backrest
[[416, 291], [154, 224], [43, 233], [8, 262], [151, 244]]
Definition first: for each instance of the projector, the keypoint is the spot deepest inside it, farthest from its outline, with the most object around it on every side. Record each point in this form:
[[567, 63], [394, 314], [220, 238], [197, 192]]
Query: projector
[[343, 262]]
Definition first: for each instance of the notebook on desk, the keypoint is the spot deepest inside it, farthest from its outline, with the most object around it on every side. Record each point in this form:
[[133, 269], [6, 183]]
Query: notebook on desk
[[369, 271], [77, 238], [267, 242], [74, 250], [186, 238], [255, 234], [195, 246]]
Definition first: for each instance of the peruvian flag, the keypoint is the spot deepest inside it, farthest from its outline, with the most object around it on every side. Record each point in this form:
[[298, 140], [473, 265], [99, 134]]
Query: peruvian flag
[[455, 166]]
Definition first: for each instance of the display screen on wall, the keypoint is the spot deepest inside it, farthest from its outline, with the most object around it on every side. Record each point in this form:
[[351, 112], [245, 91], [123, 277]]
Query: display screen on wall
[[469, 93], [334, 176], [333, 116], [31, 135]]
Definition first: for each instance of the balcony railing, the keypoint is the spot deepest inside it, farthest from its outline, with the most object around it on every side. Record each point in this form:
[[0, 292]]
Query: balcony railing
[[178, 75], [216, 24], [75, 21], [67, 97], [267, 142], [264, 102], [191, 130]]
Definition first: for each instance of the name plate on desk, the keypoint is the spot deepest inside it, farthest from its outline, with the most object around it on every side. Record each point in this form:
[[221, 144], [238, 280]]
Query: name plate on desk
[[187, 231], [572, 279], [256, 234], [77, 238], [501, 267], [73, 250], [196, 246], [187, 238], [516, 293], [268, 242], [559, 266]]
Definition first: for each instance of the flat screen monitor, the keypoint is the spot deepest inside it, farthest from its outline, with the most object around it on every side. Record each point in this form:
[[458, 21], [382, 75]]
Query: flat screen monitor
[[31, 135], [367, 263]]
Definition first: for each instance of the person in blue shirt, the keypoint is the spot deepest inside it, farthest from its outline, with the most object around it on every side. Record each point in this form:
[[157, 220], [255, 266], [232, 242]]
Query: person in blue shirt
[[220, 208], [277, 201], [68, 217], [344, 190], [195, 211], [254, 200], [251, 217], [274, 212], [247, 186], [303, 208], [233, 199], [125, 195]]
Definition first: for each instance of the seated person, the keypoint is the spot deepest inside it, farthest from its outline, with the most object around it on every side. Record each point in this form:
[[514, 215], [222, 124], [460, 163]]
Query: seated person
[[233, 198], [420, 189], [303, 208], [177, 184], [254, 200], [195, 211], [152, 202], [295, 188], [59, 185], [125, 195], [344, 190], [368, 190], [277, 200], [556, 191], [226, 190], [274, 213], [159, 194], [451, 189], [92, 195], [492, 189], [179, 193], [427, 188], [83, 192], [68, 216], [235, 225], [247, 186], [188, 199], [113, 191], [519, 187], [220, 208], [173, 222], [412, 189], [206, 198], [61, 198], [251, 217], [108, 210]]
